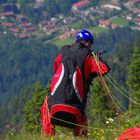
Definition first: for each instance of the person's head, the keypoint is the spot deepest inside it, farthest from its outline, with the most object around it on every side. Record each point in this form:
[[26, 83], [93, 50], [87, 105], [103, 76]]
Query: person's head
[[85, 38]]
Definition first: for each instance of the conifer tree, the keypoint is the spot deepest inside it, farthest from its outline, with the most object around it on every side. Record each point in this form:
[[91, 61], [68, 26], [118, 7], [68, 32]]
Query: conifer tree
[[134, 81], [32, 113], [99, 107]]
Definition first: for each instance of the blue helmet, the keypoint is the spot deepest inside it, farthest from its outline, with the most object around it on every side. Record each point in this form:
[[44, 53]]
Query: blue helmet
[[86, 35]]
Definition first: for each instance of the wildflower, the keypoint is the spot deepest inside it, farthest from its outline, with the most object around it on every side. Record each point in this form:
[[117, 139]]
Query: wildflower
[[107, 122], [111, 120], [11, 133]]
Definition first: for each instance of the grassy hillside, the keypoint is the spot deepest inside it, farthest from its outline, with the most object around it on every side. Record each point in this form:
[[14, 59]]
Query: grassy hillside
[[95, 134], [120, 21]]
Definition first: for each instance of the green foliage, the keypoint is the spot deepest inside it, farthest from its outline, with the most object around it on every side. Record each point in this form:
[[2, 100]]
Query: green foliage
[[65, 6], [134, 80], [98, 29], [134, 72], [3, 1], [99, 107], [50, 7], [59, 6], [22, 63], [32, 107], [120, 21], [126, 120], [120, 58]]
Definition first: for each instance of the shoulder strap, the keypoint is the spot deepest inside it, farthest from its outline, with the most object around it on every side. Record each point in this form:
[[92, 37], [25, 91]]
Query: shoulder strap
[[76, 53], [67, 52]]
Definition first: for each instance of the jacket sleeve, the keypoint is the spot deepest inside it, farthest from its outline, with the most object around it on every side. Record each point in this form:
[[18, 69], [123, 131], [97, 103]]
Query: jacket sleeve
[[94, 67], [57, 61]]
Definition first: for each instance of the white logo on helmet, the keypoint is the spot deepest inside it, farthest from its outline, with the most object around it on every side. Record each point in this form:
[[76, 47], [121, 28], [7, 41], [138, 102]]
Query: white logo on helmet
[[87, 34], [80, 35]]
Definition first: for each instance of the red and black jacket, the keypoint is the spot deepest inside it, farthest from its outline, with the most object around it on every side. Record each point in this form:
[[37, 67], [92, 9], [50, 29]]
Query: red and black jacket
[[70, 89]]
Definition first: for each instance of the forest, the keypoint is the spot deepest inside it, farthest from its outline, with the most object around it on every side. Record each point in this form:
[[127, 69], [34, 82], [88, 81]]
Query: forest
[[37, 13], [26, 68]]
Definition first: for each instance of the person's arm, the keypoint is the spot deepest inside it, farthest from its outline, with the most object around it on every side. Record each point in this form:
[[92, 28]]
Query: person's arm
[[98, 66], [94, 67], [57, 61]]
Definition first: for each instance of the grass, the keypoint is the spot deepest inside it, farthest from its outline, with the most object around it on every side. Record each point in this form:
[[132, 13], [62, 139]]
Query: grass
[[98, 30], [120, 21], [65, 134], [96, 136], [63, 42], [22, 136], [77, 25]]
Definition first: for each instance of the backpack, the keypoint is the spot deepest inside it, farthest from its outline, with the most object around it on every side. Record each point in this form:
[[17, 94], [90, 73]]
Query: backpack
[[68, 87]]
